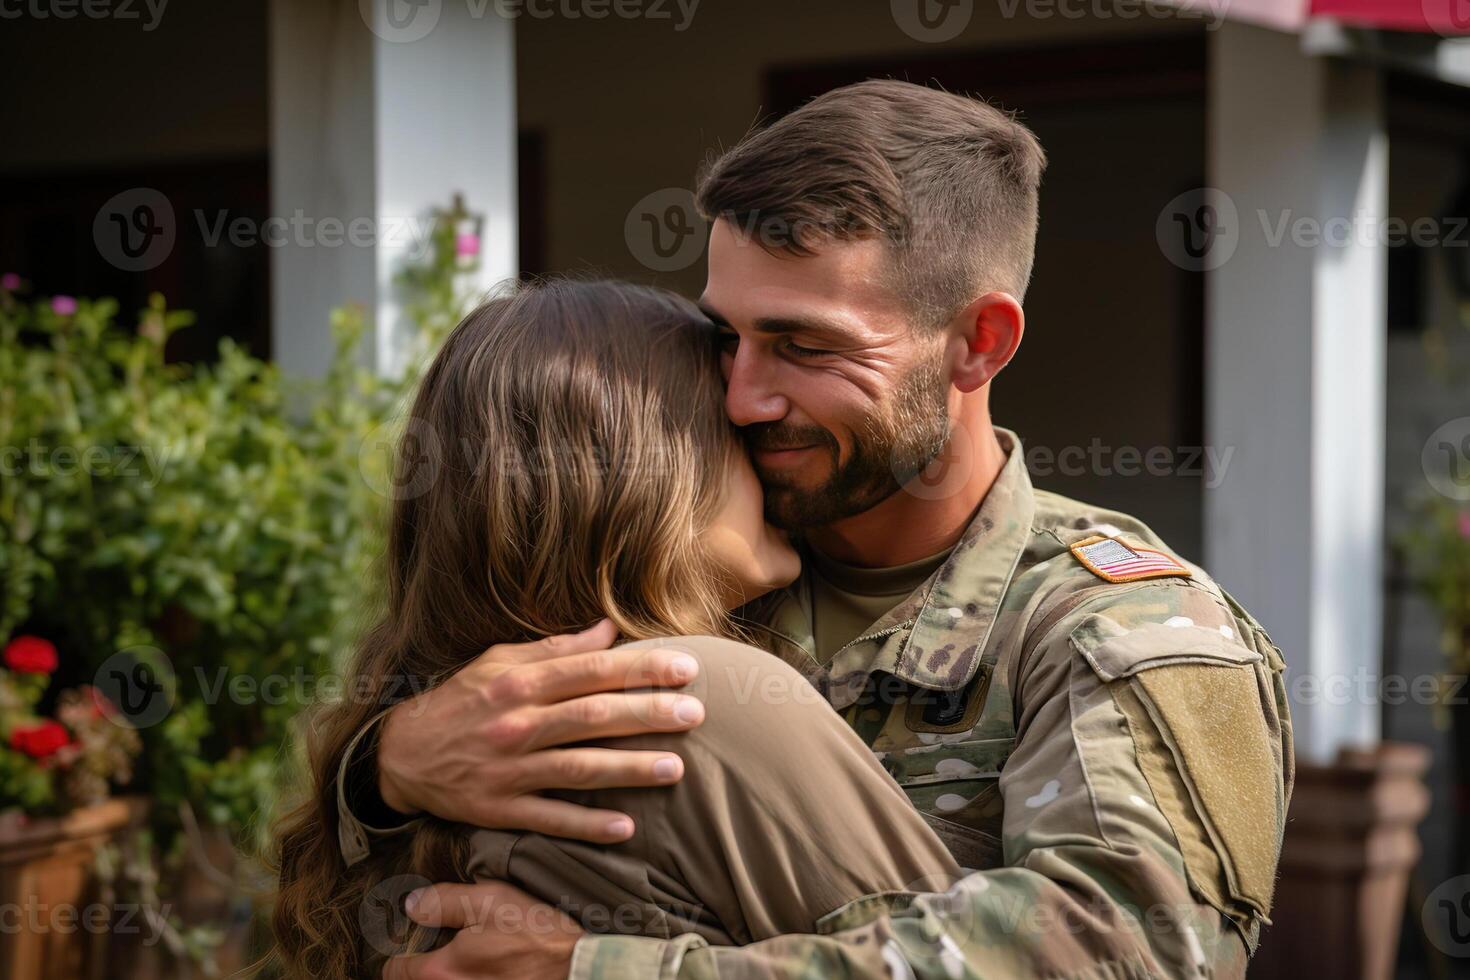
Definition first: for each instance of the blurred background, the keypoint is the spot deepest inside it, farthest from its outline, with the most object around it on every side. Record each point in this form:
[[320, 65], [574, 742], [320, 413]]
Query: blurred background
[[1247, 325]]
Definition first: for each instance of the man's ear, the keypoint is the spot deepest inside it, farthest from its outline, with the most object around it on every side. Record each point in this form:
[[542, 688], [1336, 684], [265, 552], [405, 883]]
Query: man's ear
[[983, 339]]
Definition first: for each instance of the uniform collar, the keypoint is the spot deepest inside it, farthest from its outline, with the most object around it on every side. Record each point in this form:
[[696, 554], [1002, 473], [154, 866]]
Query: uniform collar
[[936, 637]]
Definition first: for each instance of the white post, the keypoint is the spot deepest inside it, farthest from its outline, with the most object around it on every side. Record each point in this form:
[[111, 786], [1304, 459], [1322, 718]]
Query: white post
[[1295, 368], [381, 112]]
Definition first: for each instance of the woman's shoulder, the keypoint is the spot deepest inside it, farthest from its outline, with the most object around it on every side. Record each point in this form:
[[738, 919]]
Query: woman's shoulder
[[714, 649], [694, 644]]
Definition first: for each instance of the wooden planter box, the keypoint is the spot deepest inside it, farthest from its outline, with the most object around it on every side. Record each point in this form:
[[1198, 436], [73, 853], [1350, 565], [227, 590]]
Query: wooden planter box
[[214, 889], [54, 924], [1351, 843]]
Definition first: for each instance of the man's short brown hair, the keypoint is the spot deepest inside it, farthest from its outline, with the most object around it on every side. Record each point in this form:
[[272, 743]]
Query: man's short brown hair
[[949, 183]]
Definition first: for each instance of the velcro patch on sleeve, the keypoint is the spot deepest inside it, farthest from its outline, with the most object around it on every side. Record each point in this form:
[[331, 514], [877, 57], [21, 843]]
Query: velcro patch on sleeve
[[1113, 561]]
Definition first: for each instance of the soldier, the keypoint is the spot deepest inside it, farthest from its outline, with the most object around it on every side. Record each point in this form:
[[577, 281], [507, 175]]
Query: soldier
[[1097, 731]]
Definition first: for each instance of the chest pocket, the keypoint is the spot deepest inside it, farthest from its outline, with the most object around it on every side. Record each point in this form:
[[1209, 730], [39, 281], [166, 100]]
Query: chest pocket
[[955, 785]]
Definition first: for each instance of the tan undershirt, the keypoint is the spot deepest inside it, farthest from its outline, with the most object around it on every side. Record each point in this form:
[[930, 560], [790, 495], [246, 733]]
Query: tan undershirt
[[847, 599]]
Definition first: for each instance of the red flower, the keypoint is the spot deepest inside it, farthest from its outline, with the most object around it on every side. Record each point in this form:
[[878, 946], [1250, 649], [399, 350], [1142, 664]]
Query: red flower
[[30, 655], [41, 740]]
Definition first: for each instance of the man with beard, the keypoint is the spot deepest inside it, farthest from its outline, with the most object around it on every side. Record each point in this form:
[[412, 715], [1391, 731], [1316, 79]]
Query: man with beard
[[1094, 728]]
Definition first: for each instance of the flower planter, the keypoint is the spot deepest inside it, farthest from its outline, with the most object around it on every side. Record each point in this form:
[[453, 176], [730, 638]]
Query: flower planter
[[55, 923], [214, 887], [1351, 843]]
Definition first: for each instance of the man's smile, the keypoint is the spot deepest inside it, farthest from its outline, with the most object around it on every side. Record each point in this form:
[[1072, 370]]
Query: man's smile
[[780, 458]]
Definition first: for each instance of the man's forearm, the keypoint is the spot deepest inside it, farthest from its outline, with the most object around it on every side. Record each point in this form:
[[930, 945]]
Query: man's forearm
[[444, 751], [1010, 923]]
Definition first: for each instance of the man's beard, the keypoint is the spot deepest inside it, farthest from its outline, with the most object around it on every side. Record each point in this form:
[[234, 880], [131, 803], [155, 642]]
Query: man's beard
[[893, 445]]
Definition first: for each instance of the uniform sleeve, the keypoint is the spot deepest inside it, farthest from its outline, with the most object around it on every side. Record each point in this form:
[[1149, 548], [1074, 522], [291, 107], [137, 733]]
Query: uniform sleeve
[[358, 801], [1144, 804]]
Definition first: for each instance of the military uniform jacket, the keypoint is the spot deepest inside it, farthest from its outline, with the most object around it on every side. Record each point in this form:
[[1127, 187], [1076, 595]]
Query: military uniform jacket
[[1094, 728]]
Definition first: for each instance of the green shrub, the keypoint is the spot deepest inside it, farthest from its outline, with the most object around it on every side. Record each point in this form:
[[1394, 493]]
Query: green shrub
[[219, 522]]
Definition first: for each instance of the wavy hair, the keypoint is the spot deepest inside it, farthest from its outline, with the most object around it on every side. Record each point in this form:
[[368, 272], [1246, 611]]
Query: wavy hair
[[562, 454]]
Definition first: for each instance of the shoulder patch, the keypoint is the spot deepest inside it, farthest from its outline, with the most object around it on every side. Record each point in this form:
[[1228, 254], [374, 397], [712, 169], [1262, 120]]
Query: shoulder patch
[[1113, 561]]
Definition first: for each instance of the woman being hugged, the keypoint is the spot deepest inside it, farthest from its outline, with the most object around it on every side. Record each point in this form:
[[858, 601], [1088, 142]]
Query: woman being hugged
[[570, 460]]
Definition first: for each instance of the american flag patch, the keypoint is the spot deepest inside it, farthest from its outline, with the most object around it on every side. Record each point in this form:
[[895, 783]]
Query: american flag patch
[[1113, 561]]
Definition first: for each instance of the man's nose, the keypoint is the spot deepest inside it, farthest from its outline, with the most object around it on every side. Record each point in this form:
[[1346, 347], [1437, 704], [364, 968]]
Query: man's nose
[[749, 397]]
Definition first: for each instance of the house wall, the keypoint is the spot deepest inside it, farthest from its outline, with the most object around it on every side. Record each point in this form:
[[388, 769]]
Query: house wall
[[1421, 397], [627, 107], [101, 107], [88, 94], [632, 106]]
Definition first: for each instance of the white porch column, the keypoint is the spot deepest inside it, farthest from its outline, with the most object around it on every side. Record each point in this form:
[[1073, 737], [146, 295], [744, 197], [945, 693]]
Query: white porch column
[[1295, 369], [380, 112]]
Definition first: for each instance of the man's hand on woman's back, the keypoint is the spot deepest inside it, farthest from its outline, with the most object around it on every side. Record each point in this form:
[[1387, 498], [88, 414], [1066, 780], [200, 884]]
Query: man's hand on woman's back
[[481, 747]]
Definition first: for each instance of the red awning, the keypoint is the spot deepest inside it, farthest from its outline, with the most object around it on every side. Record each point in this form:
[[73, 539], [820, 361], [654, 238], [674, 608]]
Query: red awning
[[1444, 17], [1437, 16]]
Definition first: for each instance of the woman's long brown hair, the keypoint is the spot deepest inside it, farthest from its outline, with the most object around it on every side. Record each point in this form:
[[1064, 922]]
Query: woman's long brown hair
[[562, 454]]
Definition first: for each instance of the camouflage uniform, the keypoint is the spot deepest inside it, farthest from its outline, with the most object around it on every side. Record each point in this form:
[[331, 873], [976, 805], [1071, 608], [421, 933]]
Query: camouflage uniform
[[1112, 758]]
